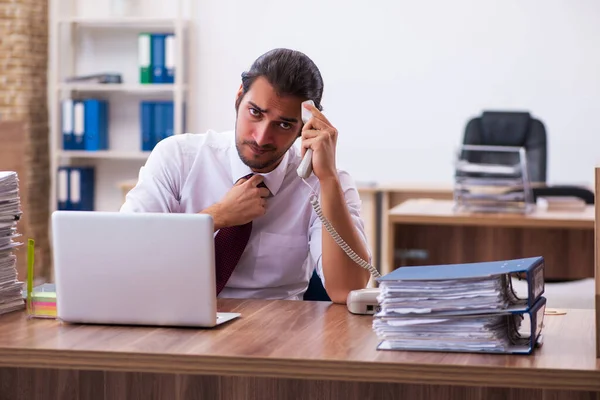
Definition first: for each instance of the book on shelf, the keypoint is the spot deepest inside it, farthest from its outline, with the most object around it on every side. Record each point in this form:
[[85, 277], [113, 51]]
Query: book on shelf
[[462, 307]]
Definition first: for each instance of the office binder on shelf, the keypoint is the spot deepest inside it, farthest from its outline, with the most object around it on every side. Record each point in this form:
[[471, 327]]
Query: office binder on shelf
[[159, 72], [144, 58], [147, 125], [62, 188], [76, 188], [163, 120], [67, 123], [158, 122], [445, 279], [517, 332], [78, 125], [81, 188], [170, 58], [96, 124], [166, 129]]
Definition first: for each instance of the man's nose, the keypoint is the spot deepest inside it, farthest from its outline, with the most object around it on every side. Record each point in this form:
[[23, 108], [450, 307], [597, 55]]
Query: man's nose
[[262, 135]]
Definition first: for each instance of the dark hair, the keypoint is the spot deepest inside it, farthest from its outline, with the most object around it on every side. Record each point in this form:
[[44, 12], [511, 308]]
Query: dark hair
[[290, 72]]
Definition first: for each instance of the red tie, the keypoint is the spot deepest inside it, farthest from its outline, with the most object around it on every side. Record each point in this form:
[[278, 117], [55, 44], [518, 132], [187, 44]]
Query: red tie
[[230, 243]]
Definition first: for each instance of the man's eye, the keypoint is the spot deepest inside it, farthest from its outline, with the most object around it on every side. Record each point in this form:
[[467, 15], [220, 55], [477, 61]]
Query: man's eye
[[285, 125], [254, 112]]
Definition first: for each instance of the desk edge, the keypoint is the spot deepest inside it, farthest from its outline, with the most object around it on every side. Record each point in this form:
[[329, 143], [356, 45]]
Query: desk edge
[[339, 370]]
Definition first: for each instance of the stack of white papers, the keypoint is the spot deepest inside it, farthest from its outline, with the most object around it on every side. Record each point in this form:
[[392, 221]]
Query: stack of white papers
[[465, 296], [10, 211], [449, 315]]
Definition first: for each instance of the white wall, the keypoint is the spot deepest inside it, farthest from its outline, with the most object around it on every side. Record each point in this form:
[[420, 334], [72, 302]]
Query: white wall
[[403, 76]]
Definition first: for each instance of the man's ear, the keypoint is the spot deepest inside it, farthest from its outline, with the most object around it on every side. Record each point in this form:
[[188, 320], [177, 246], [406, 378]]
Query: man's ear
[[239, 95]]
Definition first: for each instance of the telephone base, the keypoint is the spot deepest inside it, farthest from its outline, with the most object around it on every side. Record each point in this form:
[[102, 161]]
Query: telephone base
[[363, 301]]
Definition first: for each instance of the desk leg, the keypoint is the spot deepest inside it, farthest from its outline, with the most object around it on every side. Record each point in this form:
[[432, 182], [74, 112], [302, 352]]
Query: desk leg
[[48, 384]]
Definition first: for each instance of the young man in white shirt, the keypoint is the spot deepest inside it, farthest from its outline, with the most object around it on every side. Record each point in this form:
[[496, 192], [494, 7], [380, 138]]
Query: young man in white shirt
[[211, 173]]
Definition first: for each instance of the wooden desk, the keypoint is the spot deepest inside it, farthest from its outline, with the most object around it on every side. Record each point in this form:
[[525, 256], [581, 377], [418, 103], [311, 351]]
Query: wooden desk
[[281, 350], [565, 239]]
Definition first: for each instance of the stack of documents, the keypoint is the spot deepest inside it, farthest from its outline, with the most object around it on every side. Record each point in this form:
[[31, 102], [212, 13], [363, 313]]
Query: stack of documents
[[491, 188], [461, 307], [10, 212]]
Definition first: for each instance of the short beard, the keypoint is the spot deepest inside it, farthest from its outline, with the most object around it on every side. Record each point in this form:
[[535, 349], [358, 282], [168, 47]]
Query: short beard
[[257, 165]]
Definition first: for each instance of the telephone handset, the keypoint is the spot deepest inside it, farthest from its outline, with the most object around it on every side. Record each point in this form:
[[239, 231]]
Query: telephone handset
[[363, 301], [305, 168]]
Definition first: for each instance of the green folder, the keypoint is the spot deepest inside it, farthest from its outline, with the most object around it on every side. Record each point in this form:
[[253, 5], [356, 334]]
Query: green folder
[[145, 57]]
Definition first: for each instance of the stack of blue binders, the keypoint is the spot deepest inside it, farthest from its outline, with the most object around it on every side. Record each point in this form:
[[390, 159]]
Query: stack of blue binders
[[85, 124], [462, 307]]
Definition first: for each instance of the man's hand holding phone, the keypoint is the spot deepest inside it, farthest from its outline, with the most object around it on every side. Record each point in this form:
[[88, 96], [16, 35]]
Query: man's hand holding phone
[[319, 135], [244, 202]]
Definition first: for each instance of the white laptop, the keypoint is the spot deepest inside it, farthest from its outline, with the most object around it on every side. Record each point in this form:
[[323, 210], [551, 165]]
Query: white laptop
[[135, 269]]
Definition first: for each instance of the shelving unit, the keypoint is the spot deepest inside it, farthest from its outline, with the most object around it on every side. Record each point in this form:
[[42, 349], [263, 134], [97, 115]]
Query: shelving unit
[[86, 38], [131, 88]]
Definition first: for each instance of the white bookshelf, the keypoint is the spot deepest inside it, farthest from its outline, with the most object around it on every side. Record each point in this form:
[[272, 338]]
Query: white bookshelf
[[122, 87], [103, 154], [87, 38]]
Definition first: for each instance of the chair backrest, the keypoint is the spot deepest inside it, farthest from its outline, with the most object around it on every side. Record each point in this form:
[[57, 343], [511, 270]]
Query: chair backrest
[[316, 291], [564, 191], [496, 128]]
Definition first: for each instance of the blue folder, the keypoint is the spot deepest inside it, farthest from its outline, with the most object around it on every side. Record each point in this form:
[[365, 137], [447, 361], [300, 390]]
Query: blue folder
[[532, 268], [147, 125], [159, 70], [96, 124]]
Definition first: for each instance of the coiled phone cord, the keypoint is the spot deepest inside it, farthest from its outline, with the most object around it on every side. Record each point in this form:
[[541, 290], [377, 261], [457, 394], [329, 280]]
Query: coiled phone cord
[[314, 201]]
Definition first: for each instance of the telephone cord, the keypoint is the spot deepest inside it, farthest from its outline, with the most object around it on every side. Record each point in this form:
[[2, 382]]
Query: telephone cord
[[314, 201]]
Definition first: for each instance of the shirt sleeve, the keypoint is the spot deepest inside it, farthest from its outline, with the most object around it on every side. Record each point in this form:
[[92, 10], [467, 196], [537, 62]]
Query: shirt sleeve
[[159, 182], [353, 203]]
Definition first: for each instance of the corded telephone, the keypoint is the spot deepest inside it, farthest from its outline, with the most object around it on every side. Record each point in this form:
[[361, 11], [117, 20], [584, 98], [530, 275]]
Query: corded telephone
[[362, 301]]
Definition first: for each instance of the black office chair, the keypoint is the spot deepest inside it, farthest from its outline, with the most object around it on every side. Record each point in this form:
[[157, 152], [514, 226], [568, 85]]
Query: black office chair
[[316, 291], [564, 190], [497, 128]]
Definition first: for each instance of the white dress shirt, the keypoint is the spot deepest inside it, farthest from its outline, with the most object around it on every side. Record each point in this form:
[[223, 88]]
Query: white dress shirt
[[187, 173]]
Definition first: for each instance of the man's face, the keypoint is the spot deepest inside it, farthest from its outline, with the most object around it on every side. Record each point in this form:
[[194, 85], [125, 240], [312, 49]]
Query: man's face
[[266, 126]]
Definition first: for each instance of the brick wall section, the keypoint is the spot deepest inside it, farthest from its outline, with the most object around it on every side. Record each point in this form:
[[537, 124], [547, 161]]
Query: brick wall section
[[23, 97]]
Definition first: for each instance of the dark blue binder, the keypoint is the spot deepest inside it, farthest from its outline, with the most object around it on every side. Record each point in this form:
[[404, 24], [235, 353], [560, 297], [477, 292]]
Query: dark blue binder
[[168, 119], [79, 113], [525, 342], [81, 188], [62, 188], [67, 121], [170, 58], [532, 268], [158, 122], [147, 125], [96, 124], [159, 71]]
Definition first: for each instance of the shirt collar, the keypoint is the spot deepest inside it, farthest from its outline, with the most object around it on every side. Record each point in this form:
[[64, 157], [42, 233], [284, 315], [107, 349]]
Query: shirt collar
[[273, 179]]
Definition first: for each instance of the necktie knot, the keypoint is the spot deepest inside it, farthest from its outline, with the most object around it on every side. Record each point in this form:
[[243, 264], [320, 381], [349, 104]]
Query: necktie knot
[[262, 184]]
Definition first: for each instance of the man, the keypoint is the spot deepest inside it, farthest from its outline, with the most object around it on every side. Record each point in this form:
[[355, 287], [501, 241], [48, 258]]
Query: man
[[248, 179]]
